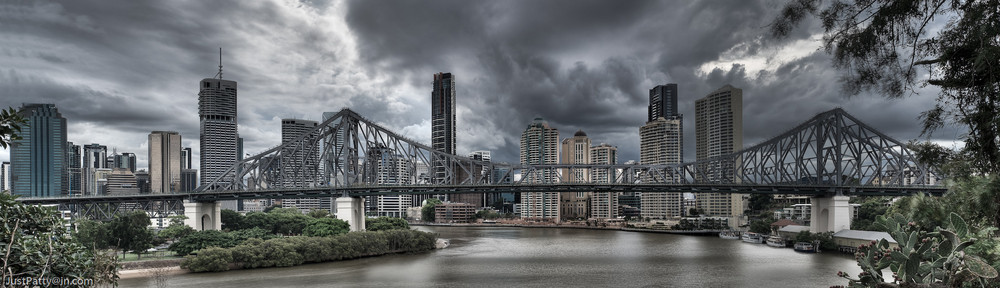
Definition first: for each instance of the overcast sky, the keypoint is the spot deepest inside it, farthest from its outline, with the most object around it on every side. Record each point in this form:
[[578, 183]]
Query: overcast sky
[[118, 70]]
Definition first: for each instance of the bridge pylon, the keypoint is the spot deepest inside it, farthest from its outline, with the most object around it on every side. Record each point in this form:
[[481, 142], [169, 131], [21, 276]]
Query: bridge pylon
[[203, 215], [352, 210], [830, 213]]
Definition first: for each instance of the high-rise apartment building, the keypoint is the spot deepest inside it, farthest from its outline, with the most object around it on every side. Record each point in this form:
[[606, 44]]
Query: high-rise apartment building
[[389, 168], [662, 102], [603, 204], [540, 145], [575, 150], [126, 161], [661, 142], [164, 162], [719, 131], [443, 119], [218, 138], [478, 200], [38, 163]]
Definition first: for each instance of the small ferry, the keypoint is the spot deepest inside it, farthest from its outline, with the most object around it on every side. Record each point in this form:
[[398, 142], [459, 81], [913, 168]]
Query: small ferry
[[776, 241], [751, 237], [805, 247], [730, 235]]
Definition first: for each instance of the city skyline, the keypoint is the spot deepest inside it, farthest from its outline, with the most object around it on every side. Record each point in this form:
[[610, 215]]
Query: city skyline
[[511, 71]]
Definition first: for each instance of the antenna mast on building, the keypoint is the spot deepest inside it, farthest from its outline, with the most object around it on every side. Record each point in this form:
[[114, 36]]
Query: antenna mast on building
[[219, 75]]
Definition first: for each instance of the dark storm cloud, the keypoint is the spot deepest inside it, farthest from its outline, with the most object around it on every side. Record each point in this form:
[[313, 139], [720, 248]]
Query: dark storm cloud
[[119, 71]]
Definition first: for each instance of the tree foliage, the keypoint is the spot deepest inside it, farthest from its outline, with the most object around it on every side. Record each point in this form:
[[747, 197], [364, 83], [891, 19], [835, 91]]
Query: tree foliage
[[884, 46], [10, 126], [385, 223], [176, 230], [35, 243], [202, 239], [427, 212], [131, 232], [232, 220], [323, 227]]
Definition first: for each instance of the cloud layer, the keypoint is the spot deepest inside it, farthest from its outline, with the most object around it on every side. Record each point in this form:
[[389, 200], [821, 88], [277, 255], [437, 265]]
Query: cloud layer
[[119, 71]]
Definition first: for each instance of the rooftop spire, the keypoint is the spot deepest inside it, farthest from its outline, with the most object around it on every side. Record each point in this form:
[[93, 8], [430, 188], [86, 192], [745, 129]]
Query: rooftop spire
[[219, 75]]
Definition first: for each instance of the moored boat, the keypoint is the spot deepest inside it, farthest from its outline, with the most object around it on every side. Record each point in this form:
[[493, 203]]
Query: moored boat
[[805, 247], [751, 237], [730, 235], [776, 241]]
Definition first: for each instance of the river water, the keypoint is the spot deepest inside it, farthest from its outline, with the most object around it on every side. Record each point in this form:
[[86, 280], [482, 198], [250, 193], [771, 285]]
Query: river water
[[552, 257]]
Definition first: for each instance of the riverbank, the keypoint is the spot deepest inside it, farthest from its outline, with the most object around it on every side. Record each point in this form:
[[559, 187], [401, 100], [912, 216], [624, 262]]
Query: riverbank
[[678, 232]]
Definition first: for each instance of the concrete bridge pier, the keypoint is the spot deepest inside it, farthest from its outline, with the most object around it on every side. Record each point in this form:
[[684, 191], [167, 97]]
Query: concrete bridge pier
[[203, 215], [830, 214], [352, 210]]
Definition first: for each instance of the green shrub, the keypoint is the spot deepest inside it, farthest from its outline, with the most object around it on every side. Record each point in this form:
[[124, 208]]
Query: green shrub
[[212, 259]]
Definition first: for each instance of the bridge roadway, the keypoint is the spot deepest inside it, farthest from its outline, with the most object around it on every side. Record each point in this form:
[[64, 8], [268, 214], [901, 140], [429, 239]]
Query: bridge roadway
[[383, 190]]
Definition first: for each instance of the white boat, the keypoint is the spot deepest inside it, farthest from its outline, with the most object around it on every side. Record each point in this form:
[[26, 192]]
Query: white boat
[[805, 247], [751, 237], [776, 241], [730, 235]]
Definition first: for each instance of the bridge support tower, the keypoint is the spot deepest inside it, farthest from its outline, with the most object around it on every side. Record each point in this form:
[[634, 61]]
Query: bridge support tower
[[830, 214], [203, 215], [352, 210]]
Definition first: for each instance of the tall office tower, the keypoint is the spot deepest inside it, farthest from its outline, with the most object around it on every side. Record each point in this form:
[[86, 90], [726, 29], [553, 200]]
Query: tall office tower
[[389, 168], [126, 161], [540, 145], [74, 172], [296, 162], [186, 158], [662, 102], [218, 138], [99, 185], [142, 181], [38, 160], [443, 120], [603, 204], [661, 142], [164, 162], [189, 180], [5, 176], [719, 131], [94, 157], [575, 150]]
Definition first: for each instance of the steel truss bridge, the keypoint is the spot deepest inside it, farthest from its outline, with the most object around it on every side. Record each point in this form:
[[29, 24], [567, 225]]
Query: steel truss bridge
[[348, 156]]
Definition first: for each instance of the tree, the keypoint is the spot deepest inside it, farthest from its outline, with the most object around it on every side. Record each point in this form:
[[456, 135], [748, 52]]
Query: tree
[[35, 243], [427, 212], [324, 227], [385, 223], [176, 230], [202, 239], [761, 225], [232, 220], [93, 234], [759, 203], [318, 213], [131, 232], [881, 45], [10, 126], [870, 208]]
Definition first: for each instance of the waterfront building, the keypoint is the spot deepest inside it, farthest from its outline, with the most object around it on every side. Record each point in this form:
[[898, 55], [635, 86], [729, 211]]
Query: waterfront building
[[218, 138], [454, 213], [443, 119], [164, 161], [94, 157], [540, 145], [295, 162], [661, 142], [575, 150], [5, 176], [719, 131], [38, 164], [603, 204]]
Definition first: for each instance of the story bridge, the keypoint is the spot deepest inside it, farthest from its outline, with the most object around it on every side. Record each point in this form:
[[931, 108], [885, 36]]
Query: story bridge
[[830, 157]]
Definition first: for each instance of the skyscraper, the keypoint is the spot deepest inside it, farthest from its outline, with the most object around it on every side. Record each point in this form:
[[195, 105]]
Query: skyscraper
[[662, 102], [575, 150], [186, 158], [296, 162], [4, 176], [389, 168], [38, 160], [218, 135], [164, 162], [719, 131], [540, 145], [478, 200], [74, 172], [661, 142], [126, 161], [603, 204], [443, 119]]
